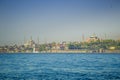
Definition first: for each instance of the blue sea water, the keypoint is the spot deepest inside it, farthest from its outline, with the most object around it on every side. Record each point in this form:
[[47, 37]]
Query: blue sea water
[[60, 66]]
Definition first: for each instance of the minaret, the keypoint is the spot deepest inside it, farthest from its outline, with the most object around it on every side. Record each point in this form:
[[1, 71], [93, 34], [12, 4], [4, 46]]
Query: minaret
[[94, 35], [24, 39], [31, 38], [31, 42], [105, 35], [38, 41], [83, 37]]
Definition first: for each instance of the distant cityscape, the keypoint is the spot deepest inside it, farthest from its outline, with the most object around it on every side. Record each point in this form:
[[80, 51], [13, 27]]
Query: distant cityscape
[[93, 44]]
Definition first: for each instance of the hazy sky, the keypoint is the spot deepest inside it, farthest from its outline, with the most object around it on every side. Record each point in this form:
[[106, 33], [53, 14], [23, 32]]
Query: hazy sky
[[58, 20]]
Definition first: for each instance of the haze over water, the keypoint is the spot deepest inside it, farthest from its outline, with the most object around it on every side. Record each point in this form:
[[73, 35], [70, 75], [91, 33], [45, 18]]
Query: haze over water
[[58, 20]]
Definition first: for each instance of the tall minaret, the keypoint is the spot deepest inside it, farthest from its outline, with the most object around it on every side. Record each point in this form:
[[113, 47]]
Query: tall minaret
[[94, 35], [31, 38], [38, 40], [24, 39], [105, 36], [83, 37]]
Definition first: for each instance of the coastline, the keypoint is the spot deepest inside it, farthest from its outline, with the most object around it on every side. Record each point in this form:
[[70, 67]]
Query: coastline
[[68, 51]]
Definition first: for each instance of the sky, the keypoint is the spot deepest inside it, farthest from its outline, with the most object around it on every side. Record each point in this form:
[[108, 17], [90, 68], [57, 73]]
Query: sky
[[58, 20]]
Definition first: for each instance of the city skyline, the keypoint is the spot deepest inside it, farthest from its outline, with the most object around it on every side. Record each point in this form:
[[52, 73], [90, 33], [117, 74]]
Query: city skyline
[[58, 20]]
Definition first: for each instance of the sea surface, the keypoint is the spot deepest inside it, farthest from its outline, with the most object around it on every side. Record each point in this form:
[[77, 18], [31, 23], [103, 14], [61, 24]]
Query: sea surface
[[70, 66]]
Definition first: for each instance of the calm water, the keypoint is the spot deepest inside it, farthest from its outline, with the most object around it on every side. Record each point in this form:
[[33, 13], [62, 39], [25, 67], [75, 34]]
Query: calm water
[[60, 66]]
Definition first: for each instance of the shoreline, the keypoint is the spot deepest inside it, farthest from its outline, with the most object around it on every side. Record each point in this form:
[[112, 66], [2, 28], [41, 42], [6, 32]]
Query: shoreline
[[64, 52], [68, 51]]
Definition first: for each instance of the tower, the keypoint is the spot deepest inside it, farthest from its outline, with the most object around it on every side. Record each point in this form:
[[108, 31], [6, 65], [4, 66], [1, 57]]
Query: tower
[[31, 38], [83, 37], [38, 40], [24, 39]]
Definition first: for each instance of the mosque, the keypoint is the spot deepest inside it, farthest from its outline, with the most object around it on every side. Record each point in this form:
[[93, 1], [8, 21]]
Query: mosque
[[31, 44], [92, 38]]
